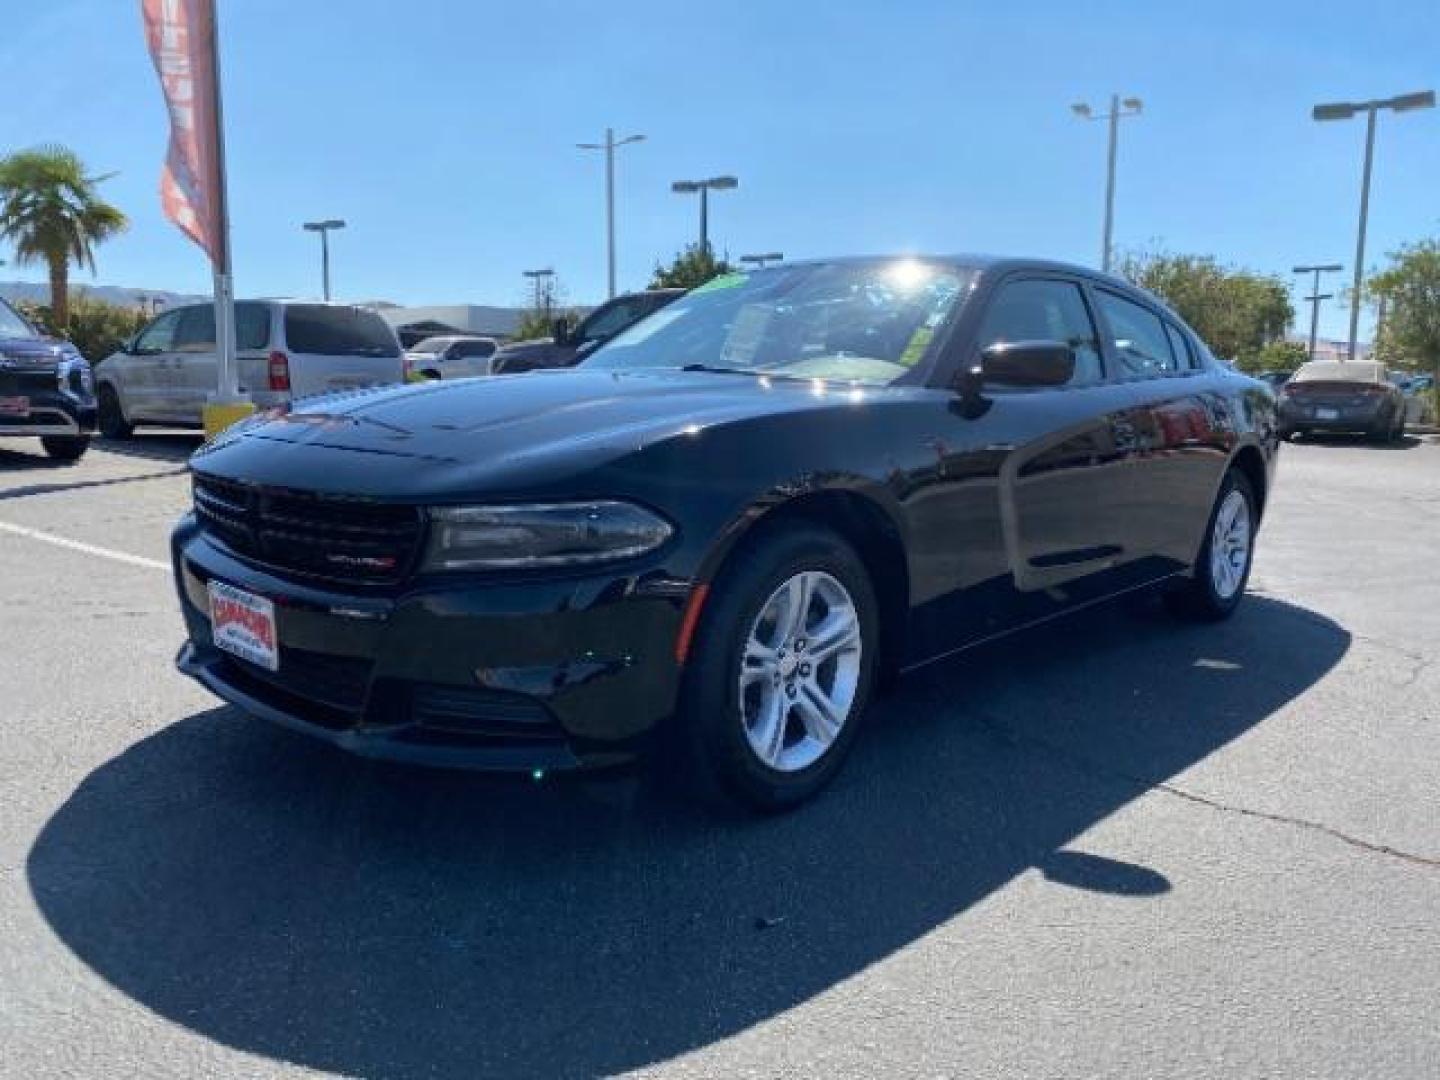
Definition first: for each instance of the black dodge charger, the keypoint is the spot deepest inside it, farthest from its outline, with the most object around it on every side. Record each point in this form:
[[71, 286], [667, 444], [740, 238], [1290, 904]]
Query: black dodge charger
[[47, 390], [725, 527]]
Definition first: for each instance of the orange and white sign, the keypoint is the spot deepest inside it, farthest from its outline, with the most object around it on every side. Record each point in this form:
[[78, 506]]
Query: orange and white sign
[[180, 34]]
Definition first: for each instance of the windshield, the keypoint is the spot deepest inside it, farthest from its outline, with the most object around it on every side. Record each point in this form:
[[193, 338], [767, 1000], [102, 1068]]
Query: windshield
[[1354, 371], [12, 325], [864, 322]]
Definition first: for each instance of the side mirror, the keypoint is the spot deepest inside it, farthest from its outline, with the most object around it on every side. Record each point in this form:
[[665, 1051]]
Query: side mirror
[[561, 331], [128, 345], [1014, 363]]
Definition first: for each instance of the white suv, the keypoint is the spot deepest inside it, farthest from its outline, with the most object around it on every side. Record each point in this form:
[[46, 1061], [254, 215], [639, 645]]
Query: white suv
[[286, 349]]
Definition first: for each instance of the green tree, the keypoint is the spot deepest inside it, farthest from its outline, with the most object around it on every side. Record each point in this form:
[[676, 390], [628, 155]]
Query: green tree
[[96, 328], [693, 266], [1410, 288], [51, 211], [1283, 355], [1237, 312]]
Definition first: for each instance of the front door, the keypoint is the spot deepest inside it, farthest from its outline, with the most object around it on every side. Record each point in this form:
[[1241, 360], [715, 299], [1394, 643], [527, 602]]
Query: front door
[[1032, 512], [194, 368], [143, 371]]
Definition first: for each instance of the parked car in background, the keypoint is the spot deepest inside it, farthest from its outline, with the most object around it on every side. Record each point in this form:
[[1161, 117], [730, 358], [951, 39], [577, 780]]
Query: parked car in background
[[286, 349], [1355, 396], [726, 526], [1420, 400], [47, 389], [568, 347], [450, 357], [1276, 379]]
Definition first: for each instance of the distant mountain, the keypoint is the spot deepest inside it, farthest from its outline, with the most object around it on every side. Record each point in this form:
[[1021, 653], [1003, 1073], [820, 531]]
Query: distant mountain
[[112, 294]]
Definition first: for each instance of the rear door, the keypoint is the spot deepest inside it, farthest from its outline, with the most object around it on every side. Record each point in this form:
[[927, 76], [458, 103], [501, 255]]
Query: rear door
[[1184, 430], [333, 347]]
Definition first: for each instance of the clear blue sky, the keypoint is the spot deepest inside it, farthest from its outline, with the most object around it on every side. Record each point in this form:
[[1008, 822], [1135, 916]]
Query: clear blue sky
[[444, 132]]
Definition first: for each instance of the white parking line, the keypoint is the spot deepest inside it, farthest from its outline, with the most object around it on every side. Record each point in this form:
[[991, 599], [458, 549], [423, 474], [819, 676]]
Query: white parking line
[[88, 549]]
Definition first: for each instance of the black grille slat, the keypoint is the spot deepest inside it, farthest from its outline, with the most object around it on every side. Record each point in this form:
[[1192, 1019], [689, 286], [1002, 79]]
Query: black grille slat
[[344, 539]]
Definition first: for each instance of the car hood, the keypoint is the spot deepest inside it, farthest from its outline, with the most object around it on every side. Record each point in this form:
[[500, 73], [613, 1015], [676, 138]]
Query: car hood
[[500, 433], [34, 351]]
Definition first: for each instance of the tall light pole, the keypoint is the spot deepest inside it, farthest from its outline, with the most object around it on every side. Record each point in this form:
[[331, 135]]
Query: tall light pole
[[542, 281], [1344, 110], [759, 261], [1316, 296], [1118, 110], [323, 228], [704, 187], [609, 146]]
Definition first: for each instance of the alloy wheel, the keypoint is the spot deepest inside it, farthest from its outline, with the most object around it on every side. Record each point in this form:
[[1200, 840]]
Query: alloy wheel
[[1230, 545], [800, 671]]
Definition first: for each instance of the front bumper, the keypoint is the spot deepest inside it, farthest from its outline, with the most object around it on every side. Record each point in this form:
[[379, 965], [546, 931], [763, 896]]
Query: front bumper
[[552, 674], [52, 411]]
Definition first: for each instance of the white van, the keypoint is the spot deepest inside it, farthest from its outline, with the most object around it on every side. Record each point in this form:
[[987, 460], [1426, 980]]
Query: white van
[[286, 349]]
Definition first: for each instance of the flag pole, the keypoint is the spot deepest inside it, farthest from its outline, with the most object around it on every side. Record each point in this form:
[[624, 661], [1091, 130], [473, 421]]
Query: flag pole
[[227, 405]]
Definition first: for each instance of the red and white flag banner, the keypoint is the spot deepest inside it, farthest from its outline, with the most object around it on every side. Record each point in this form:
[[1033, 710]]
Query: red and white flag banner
[[179, 33]]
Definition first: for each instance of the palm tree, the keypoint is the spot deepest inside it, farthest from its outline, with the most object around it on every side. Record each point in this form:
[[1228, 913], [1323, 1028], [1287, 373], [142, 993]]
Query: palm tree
[[51, 212]]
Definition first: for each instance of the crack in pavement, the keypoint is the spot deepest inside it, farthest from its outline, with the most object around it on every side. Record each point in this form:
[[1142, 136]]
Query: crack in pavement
[[1088, 767]]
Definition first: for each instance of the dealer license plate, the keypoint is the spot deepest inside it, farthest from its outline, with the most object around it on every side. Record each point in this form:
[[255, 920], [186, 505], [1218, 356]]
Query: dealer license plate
[[1327, 414], [244, 624], [14, 406]]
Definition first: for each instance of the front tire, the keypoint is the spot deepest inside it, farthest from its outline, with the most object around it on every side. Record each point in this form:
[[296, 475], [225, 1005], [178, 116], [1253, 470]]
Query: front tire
[[780, 670], [113, 424], [65, 447], [1217, 583]]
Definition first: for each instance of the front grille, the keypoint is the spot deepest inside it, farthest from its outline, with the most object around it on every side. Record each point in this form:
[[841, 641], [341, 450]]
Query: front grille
[[343, 539], [483, 714]]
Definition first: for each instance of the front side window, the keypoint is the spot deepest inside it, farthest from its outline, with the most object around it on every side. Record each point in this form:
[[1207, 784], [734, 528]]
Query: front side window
[[1138, 336], [861, 322], [159, 336], [1045, 310], [196, 331], [11, 324]]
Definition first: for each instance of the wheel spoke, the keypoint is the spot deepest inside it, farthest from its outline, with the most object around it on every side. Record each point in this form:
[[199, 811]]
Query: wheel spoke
[[817, 713], [797, 604], [840, 631], [768, 738]]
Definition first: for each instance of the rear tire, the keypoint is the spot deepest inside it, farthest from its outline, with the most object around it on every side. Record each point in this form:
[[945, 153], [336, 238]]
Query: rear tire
[[780, 670], [113, 424], [1217, 584], [65, 447]]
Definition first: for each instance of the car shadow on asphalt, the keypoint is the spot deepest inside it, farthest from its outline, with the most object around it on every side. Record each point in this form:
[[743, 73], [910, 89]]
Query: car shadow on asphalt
[[289, 901], [154, 445], [1405, 442]]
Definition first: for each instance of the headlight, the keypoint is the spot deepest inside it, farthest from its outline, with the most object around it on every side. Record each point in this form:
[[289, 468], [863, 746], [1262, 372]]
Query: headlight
[[73, 374], [550, 534]]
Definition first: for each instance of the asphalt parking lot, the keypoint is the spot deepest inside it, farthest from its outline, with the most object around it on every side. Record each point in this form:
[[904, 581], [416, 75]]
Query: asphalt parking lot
[[1121, 846]]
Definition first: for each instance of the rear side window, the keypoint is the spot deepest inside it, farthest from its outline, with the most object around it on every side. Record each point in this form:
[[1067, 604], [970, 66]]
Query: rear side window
[[1044, 310], [252, 326], [331, 330], [1184, 357], [1141, 343], [476, 348]]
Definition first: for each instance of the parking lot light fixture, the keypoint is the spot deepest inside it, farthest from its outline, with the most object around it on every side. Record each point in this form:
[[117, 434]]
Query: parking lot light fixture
[[704, 187], [1119, 109], [609, 146], [324, 228], [1345, 110], [1316, 296]]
